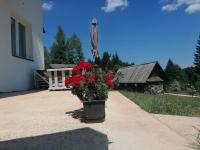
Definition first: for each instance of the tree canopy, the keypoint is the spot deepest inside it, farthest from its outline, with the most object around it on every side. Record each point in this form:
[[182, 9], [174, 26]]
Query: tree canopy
[[58, 48], [173, 71], [75, 49], [64, 50], [197, 56]]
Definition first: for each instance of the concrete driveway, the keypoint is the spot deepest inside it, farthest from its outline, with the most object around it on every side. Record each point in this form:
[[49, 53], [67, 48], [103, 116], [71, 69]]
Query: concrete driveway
[[42, 120]]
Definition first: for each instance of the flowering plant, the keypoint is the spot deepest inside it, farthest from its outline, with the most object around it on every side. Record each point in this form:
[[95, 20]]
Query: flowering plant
[[90, 82]]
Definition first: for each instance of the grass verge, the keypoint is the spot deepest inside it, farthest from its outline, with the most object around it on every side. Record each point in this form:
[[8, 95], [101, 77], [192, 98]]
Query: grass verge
[[165, 104]]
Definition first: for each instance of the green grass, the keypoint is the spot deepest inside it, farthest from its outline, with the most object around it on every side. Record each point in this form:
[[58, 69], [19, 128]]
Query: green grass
[[165, 104]]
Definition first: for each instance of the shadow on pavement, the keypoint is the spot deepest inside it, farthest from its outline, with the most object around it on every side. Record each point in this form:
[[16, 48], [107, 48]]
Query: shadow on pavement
[[12, 94], [80, 139], [77, 114]]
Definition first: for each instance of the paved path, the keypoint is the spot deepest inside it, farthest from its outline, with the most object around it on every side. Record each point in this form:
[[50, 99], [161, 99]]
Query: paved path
[[182, 95], [52, 121], [185, 126]]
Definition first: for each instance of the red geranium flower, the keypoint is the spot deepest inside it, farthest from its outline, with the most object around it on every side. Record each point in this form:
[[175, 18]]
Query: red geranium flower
[[109, 76], [75, 71], [68, 81], [76, 80], [110, 84], [91, 79], [84, 66], [84, 75], [94, 76]]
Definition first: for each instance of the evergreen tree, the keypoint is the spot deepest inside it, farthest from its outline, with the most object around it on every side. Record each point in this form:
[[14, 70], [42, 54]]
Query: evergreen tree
[[115, 60], [173, 71], [70, 53], [106, 61], [190, 76], [116, 63], [76, 46], [58, 48], [197, 56], [47, 58]]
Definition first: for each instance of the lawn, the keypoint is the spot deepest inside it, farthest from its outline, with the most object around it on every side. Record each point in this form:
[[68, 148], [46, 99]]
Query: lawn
[[165, 104]]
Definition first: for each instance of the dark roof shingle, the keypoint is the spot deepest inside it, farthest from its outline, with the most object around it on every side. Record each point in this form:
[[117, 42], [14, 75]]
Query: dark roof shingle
[[136, 73]]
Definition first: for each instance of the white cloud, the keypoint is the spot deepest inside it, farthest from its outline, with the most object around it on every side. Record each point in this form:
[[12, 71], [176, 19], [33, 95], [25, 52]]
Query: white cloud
[[170, 7], [47, 6], [191, 6], [112, 5]]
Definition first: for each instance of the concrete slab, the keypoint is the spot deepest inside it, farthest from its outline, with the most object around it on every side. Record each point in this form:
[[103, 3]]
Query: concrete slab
[[185, 126], [46, 120]]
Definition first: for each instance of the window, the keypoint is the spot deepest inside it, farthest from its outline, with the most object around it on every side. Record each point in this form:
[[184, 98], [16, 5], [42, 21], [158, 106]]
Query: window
[[13, 36], [21, 40]]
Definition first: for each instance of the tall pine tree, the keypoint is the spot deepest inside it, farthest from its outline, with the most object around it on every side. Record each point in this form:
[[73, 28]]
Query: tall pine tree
[[70, 53], [197, 56], [58, 48], [173, 71], [76, 46], [105, 62]]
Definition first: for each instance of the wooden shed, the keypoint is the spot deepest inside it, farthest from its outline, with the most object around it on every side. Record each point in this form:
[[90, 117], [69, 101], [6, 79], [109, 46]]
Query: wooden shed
[[142, 77]]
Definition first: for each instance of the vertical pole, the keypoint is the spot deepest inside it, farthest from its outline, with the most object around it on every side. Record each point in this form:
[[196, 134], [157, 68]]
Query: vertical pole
[[70, 72], [56, 79], [63, 79], [50, 80]]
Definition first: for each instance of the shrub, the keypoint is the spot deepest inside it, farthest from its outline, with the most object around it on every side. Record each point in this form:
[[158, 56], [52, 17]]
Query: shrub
[[175, 86]]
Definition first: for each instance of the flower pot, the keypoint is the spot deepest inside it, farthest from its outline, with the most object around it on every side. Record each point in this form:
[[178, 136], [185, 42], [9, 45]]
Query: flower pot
[[94, 111]]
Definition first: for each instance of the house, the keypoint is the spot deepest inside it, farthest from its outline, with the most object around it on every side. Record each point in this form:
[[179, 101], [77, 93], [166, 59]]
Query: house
[[21, 43], [142, 77]]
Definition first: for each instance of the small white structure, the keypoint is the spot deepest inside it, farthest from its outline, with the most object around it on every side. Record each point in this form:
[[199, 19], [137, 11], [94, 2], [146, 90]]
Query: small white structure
[[57, 78], [21, 43]]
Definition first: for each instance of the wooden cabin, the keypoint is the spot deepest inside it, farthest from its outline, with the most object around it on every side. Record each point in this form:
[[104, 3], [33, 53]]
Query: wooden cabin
[[142, 77]]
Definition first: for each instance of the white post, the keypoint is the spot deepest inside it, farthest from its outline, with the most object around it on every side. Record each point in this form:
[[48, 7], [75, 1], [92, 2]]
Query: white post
[[70, 72], [56, 79], [50, 80], [63, 79]]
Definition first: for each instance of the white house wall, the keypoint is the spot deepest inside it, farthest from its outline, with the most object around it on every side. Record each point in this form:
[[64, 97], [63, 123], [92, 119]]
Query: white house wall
[[16, 74]]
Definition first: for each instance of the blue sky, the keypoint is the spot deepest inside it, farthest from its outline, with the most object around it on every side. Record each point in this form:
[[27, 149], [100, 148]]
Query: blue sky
[[138, 30]]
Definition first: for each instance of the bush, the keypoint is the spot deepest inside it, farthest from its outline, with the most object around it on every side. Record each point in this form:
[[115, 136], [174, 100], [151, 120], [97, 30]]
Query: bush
[[175, 86]]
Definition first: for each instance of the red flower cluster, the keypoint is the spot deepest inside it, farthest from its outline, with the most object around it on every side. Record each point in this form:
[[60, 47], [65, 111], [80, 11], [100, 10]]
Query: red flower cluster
[[91, 79], [109, 80], [109, 76], [84, 66], [76, 81], [77, 76], [68, 81], [75, 71]]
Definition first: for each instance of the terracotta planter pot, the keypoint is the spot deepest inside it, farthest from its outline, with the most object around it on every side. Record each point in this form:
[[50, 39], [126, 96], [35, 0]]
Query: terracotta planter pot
[[94, 111]]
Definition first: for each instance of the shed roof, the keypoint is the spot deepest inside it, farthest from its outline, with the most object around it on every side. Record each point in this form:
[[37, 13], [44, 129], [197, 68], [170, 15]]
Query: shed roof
[[137, 73]]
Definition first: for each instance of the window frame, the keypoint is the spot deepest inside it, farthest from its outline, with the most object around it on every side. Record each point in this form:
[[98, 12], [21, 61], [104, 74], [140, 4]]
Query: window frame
[[17, 52]]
